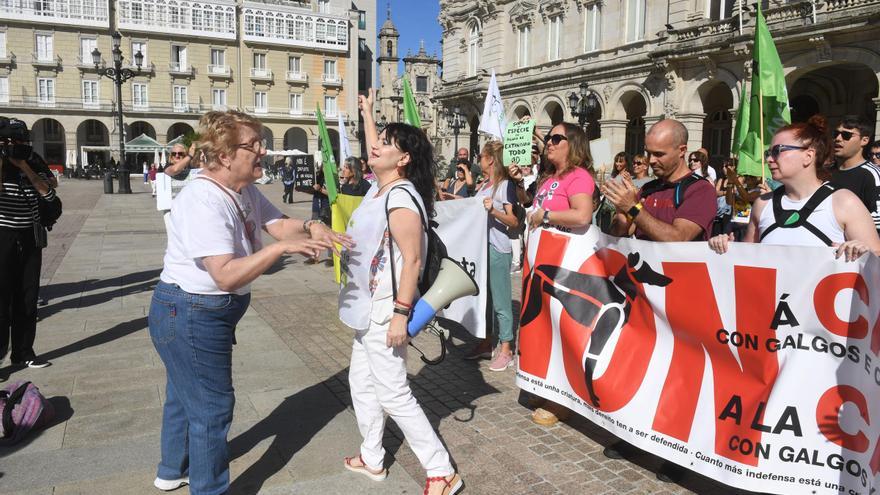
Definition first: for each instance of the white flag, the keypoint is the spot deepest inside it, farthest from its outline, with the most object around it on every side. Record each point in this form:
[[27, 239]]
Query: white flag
[[344, 147], [493, 121]]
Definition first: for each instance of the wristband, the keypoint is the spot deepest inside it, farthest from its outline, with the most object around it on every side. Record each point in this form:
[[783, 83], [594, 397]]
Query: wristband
[[402, 304], [401, 311], [635, 210]]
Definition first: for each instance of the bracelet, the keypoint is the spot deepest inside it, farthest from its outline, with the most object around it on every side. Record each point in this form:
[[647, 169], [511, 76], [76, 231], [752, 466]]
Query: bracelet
[[307, 225], [397, 302], [401, 311]]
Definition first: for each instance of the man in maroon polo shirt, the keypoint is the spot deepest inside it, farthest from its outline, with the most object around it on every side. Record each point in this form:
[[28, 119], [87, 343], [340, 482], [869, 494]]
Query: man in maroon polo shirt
[[677, 206]]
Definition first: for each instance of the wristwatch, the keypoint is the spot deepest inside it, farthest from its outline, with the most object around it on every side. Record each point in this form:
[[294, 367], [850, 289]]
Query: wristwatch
[[635, 210], [545, 221]]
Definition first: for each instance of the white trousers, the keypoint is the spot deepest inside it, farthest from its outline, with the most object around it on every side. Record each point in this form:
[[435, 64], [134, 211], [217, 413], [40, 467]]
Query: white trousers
[[377, 378]]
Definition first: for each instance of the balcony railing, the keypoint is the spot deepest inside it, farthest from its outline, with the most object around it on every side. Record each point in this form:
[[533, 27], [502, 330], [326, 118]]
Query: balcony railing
[[258, 73], [294, 76], [46, 61], [296, 112], [206, 18], [57, 103], [332, 79], [180, 107], [219, 71], [260, 110], [91, 13], [179, 68]]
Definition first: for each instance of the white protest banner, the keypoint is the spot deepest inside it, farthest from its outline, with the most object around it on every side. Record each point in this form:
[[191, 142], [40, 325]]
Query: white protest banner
[[518, 143], [462, 226], [758, 368]]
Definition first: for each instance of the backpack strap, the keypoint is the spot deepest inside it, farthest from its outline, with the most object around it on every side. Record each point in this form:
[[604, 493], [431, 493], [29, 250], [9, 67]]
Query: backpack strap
[[680, 187], [12, 400], [798, 218], [391, 239]]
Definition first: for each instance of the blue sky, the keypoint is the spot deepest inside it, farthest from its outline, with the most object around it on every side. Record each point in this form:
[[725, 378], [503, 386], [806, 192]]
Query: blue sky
[[415, 20]]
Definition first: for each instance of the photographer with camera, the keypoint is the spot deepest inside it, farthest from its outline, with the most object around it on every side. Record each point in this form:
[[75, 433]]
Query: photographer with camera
[[462, 186], [23, 184]]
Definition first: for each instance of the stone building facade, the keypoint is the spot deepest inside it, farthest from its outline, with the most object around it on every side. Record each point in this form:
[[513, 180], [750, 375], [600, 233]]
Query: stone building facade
[[276, 59], [422, 71], [652, 59]]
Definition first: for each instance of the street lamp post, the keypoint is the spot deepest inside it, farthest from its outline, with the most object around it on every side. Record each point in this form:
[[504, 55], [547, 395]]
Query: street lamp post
[[455, 121], [119, 75], [583, 107]]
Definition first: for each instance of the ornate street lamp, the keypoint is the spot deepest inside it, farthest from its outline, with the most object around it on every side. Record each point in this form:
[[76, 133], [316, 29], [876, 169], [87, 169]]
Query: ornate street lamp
[[584, 106], [455, 120], [119, 75]]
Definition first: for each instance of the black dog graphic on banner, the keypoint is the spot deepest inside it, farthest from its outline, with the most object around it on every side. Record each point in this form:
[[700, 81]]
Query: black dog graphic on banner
[[601, 302]]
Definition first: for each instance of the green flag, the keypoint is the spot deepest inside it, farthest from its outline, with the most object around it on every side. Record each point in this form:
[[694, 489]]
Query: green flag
[[768, 103], [410, 109], [329, 164]]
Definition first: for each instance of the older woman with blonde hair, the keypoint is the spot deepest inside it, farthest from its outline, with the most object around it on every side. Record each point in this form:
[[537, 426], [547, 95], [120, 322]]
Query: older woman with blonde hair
[[214, 252]]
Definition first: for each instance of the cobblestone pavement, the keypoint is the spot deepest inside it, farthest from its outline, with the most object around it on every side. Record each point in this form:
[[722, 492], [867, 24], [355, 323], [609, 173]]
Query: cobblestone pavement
[[293, 418]]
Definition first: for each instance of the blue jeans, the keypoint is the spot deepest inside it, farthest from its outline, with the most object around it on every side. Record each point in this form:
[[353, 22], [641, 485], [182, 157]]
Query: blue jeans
[[193, 335]]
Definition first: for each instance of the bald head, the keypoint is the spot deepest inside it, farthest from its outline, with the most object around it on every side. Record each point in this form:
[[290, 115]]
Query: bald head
[[463, 153], [669, 130]]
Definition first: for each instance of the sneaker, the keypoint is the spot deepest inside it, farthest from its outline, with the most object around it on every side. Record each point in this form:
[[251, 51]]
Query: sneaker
[[501, 362], [480, 351], [33, 363], [168, 485]]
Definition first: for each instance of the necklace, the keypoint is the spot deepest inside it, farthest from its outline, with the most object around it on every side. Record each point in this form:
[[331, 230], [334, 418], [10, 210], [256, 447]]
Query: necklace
[[381, 188]]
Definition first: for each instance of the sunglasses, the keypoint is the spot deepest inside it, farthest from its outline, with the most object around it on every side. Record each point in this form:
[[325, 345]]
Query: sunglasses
[[695, 160], [177, 154], [875, 155], [777, 150], [638, 162], [535, 150], [847, 135], [555, 139]]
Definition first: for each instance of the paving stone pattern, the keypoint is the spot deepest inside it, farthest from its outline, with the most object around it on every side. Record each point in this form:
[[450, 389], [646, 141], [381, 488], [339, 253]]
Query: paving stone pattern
[[293, 418]]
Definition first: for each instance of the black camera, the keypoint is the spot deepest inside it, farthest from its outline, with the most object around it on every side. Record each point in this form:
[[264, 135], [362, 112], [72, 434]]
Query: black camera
[[12, 130]]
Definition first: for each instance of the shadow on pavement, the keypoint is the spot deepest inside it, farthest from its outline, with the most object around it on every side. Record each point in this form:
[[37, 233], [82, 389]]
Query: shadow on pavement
[[62, 289], [93, 299], [291, 426]]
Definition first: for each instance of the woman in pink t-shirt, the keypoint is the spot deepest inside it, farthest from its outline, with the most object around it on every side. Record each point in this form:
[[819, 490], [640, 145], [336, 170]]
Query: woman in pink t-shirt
[[565, 190], [564, 200]]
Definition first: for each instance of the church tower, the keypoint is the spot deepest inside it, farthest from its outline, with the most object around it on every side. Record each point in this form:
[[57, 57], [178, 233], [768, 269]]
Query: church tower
[[388, 79]]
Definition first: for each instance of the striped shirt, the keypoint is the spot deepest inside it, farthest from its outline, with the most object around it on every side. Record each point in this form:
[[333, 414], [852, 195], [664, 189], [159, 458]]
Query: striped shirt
[[864, 181], [18, 200]]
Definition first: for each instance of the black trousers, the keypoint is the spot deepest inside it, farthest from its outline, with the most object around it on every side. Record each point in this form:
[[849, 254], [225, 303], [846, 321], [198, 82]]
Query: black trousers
[[288, 194], [20, 263]]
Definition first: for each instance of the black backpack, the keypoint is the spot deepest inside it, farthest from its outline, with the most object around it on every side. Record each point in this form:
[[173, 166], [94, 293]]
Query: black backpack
[[50, 211], [436, 247], [791, 219]]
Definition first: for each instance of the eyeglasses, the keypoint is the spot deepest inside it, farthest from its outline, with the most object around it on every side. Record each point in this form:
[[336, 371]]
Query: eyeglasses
[[777, 150], [875, 156], [847, 135], [555, 139], [256, 147], [177, 154]]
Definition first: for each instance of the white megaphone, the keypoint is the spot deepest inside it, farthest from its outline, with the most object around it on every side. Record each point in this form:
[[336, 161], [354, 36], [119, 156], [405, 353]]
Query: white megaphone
[[452, 282]]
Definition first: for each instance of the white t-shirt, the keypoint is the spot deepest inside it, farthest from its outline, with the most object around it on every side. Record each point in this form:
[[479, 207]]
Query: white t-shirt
[[366, 293], [205, 222], [498, 237], [822, 218]]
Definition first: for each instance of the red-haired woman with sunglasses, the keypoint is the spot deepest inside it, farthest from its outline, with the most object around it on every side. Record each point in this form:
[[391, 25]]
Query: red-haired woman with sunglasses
[[839, 218]]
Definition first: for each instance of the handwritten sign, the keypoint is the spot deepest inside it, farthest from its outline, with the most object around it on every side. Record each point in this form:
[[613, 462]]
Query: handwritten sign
[[304, 173], [518, 143]]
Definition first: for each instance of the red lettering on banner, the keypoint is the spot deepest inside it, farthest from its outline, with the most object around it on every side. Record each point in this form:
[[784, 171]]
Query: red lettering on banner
[[693, 316], [875, 337], [629, 362], [536, 338], [828, 419], [823, 300]]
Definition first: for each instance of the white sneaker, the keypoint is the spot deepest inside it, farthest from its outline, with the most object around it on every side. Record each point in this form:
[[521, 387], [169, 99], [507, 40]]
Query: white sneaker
[[168, 485]]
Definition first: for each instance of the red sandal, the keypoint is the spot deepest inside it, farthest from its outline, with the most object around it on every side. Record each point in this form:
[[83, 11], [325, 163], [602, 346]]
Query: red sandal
[[452, 486], [364, 470]]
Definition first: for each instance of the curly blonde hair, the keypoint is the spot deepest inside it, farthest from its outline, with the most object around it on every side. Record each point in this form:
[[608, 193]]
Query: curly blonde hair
[[218, 135]]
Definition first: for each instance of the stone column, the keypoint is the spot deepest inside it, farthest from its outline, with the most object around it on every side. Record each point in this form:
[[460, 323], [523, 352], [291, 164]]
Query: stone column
[[614, 130], [694, 124], [877, 121]]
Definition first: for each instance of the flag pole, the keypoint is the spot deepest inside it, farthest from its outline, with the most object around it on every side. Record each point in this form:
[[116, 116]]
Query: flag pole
[[761, 109]]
